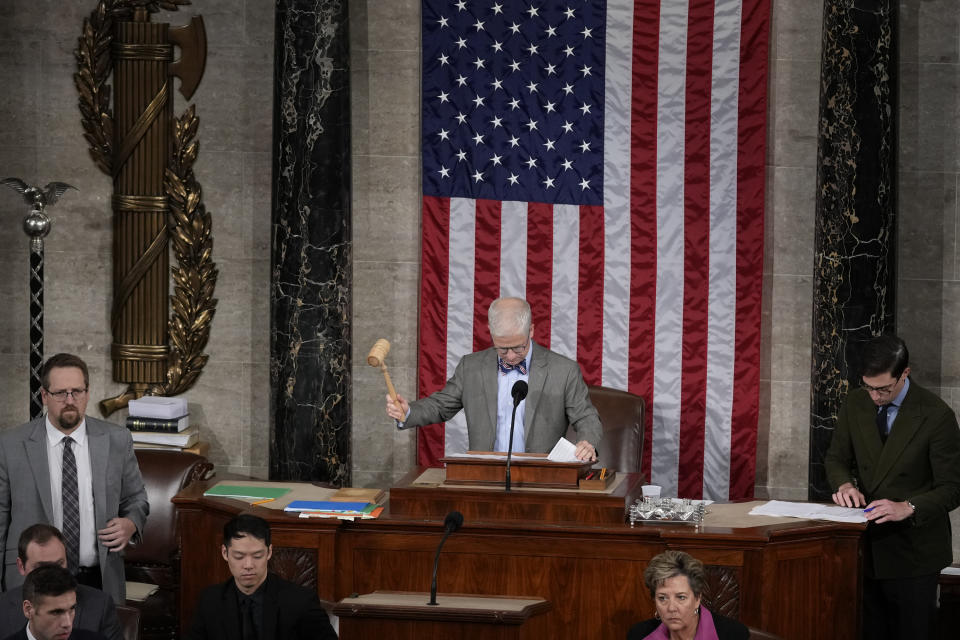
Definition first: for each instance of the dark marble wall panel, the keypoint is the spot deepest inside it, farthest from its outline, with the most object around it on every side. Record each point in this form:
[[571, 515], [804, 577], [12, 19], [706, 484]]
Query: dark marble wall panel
[[855, 234], [311, 261]]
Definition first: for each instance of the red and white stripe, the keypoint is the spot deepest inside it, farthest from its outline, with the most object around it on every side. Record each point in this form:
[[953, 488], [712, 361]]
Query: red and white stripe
[[658, 290]]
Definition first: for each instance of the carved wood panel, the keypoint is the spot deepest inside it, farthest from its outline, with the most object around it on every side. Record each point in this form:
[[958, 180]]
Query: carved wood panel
[[722, 593], [295, 564]]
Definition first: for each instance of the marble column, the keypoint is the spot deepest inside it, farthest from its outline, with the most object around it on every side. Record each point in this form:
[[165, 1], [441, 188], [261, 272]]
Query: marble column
[[855, 234], [311, 250]]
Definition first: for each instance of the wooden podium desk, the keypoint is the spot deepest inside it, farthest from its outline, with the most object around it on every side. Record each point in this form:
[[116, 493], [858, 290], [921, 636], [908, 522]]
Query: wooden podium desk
[[798, 579], [407, 616]]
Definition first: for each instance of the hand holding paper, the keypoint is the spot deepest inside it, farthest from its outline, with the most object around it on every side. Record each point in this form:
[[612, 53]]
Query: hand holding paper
[[563, 451]]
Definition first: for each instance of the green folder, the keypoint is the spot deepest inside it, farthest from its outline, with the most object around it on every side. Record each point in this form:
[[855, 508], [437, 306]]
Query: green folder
[[245, 491]]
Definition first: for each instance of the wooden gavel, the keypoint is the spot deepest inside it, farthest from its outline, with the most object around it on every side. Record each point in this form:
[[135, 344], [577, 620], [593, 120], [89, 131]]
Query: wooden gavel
[[377, 358]]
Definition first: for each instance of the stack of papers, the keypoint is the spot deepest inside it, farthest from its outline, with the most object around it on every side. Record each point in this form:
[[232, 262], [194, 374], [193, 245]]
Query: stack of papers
[[160, 407], [334, 509], [140, 591], [809, 511], [246, 492], [180, 440]]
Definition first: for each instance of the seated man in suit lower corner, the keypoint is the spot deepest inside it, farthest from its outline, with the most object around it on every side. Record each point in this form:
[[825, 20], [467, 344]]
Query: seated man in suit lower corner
[[50, 606], [42, 545], [255, 604]]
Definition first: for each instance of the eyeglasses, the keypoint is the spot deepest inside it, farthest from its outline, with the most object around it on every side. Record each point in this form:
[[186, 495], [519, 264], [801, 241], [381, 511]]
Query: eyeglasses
[[61, 396], [520, 348], [881, 391]]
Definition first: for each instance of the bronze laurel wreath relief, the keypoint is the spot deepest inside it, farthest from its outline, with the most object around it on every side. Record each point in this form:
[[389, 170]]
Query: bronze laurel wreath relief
[[149, 153]]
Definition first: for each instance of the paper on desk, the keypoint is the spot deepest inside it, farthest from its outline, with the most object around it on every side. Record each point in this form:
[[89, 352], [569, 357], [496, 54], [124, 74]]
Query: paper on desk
[[809, 511], [563, 451], [478, 456]]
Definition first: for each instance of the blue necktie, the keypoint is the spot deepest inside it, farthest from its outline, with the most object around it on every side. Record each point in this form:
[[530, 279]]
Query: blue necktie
[[882, 422]]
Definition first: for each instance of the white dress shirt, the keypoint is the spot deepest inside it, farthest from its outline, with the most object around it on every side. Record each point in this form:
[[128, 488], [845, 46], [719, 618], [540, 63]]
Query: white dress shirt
[[505, 382], [81, 451]]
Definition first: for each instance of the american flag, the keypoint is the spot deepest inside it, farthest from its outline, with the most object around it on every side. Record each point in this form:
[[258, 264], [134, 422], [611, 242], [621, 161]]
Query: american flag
[[604, 160]]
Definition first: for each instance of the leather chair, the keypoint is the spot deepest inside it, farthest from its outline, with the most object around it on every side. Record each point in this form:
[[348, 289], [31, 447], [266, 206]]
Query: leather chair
[[621, 414], [156, 560], [129, 618]]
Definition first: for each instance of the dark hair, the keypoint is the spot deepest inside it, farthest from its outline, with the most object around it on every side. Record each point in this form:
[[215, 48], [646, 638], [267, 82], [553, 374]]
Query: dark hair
[[40, 533], [48, 580], [63, 361], [884, 354], [670, 564], [245, 525]]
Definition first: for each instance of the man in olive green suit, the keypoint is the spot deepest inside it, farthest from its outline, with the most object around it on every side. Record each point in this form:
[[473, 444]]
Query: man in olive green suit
[[896, 452], [482, 383]]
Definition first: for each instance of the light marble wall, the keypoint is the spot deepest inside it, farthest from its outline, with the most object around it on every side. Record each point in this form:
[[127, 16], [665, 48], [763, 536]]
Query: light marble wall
[[41, 140], [928, 291], [385, 81], [793, 92]]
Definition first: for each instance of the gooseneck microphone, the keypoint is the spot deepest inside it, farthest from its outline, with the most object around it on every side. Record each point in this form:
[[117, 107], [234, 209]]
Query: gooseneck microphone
[[519, 392], [451, 523]]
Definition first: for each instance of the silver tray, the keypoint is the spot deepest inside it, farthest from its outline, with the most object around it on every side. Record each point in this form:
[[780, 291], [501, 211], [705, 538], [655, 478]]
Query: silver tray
[[667, 511]]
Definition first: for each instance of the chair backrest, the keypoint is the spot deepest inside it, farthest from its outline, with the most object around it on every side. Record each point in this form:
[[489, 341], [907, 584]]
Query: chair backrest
[[129, 618], [757, 634], [621, 414], [164, 473]]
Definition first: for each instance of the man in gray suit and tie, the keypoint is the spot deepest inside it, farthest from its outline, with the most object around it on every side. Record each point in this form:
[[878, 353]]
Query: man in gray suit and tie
[[482, 383], [78, 474]]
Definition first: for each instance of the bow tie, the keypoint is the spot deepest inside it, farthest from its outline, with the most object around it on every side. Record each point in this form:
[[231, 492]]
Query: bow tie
[[505, 368]]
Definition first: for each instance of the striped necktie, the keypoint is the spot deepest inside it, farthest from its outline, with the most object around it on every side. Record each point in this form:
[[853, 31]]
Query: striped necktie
[[71, 506]]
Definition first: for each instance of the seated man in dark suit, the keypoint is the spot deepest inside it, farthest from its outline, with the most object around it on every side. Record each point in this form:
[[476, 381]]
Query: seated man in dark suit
[[255, 604], [50, 604], [41, 545]]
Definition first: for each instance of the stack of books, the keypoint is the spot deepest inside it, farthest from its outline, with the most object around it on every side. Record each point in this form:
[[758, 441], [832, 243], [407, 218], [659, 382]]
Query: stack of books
[[334, 509], [157, 422]]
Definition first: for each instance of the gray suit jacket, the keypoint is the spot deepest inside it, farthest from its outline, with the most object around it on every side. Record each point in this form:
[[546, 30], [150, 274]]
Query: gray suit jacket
[[95, 612], [25, 492], [557, 397]]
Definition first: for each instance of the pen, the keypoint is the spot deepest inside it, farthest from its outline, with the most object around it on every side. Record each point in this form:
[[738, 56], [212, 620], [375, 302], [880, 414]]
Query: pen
[[869, 510], [590, 475], [261, 502], [603, 473]]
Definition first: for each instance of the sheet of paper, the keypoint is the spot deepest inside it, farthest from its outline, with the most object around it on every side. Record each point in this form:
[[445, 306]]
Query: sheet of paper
[[809, 511], [478, 456], [246, 491], [563, 451]]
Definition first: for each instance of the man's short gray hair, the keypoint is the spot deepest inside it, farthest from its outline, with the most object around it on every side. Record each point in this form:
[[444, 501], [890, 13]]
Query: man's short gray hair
[[509, 317]]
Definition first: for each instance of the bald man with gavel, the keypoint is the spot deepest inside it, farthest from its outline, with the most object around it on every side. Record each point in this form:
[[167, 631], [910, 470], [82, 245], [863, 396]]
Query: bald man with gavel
[[482, 385]]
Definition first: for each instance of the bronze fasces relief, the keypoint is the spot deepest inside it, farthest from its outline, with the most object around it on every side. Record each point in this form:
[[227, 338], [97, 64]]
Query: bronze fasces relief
[[157, 201]]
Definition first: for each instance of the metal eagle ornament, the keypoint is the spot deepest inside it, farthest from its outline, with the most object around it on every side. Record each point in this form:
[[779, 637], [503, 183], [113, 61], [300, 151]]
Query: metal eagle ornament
[[36, 225]]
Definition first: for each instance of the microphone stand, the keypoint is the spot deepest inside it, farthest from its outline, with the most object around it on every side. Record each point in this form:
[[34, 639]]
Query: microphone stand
[[436, 564], [513, 418]]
